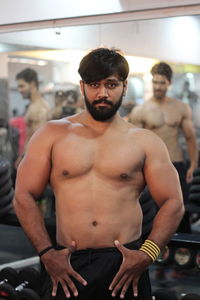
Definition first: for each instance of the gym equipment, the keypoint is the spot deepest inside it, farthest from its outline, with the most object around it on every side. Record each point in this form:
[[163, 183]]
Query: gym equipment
[[8, 275], [195, 198], [28, 294], [27, 285], [4, 165], [165, 257], [196, 172], [6, 188], [195, 188], [184, 258], [164, 294], [149, 210], [185, 240], [191, 296], [196, 180], [197, 259], [5, 178], [5, 210], [6, 199]]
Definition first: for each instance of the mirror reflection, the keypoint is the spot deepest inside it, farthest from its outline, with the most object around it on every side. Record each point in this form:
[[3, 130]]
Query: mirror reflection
[[40, 82]]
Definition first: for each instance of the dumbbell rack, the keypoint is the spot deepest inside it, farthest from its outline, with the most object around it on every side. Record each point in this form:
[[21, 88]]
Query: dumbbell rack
[[19, 264], [186, 240]]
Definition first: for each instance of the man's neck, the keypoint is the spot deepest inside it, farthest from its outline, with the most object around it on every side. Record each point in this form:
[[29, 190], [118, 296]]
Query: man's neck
[[160, 100], [99, 126], [36, 96]]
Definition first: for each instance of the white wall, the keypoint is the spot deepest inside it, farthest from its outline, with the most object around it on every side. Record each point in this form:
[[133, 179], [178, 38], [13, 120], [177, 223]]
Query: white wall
[[173, 39], [166, 39], [12, 11]]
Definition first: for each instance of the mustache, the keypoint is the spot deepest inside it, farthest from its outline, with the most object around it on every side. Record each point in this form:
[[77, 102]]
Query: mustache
[[102, 100]]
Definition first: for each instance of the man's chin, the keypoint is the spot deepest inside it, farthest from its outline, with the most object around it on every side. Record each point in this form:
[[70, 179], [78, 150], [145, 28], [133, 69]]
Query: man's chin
[[102, 117], [159, 97]]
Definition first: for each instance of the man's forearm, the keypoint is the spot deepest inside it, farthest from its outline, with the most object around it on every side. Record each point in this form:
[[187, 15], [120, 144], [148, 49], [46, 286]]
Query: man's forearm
[[166, 222], [32, 221]]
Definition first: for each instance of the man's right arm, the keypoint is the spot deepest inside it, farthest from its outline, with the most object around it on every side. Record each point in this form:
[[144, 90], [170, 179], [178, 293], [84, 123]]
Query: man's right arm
[[32, 177]]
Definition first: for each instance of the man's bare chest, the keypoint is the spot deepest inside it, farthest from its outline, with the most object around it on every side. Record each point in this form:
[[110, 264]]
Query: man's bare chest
[[110, 157], [159, 117]]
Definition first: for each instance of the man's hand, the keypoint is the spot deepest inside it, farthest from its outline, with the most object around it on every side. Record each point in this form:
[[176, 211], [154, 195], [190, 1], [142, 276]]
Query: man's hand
[[133, 265], [189, 175], [57, 264]]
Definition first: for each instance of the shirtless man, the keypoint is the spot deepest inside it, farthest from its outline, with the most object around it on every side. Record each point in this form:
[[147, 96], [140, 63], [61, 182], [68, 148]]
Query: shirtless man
[[38, 111], [97, 164], [166, 116]]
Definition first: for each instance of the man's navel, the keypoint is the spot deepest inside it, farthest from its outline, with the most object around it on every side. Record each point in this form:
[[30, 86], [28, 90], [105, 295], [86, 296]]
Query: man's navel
[[94, 223]]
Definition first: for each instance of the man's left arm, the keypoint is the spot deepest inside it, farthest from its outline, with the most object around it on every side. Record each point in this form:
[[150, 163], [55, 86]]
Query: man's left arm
[[190, 137], [164, 185]]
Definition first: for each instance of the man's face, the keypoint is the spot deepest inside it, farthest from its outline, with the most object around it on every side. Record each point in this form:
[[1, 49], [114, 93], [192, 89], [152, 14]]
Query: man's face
[[103, 98], [24, 88], [160, 86]]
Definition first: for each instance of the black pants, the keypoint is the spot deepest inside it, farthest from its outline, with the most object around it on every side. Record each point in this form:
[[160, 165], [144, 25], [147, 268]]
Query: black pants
[[98, 267], [181, 168]]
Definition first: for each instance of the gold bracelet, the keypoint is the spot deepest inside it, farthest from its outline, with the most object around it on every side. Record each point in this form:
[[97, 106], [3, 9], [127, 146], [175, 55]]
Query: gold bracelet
[[151, 249]]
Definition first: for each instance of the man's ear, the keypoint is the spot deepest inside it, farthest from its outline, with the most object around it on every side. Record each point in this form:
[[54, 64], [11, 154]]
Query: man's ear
[[33, 85], [81, 87], [125, 85]]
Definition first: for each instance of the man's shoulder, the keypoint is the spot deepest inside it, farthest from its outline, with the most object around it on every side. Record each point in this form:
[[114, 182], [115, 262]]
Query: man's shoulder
[[65, 122], [146, 139], [177, 101], [57, 124], [50, 131], [181, 106]]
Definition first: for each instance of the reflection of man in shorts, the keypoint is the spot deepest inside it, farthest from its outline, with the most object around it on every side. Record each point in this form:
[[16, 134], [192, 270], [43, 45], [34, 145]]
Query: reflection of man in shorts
[[98, 164], [166, 117]]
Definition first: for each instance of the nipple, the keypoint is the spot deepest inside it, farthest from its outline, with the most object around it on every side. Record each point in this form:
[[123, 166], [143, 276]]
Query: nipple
[[65, 173], [124, 176]]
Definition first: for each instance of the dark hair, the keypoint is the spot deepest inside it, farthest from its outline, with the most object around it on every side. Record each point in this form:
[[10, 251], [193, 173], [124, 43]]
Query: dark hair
[[101, 63], [162, 69], [28, 75]]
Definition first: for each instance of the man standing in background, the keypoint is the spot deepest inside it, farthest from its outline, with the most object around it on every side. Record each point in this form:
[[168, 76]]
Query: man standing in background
[[166, 116], [38, 110]]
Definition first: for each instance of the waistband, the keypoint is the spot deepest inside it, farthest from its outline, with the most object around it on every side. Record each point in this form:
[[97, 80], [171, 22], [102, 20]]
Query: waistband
[[134, 245]]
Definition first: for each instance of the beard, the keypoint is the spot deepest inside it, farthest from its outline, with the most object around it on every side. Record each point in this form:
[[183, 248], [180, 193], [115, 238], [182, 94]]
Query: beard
[[159, 94], [102, 113], [26, 95]]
